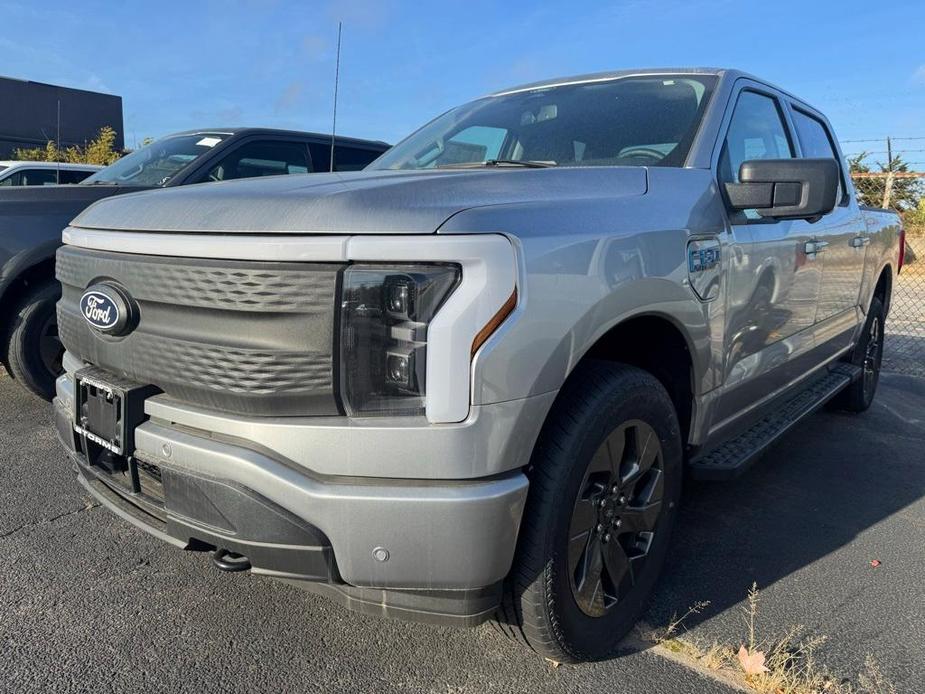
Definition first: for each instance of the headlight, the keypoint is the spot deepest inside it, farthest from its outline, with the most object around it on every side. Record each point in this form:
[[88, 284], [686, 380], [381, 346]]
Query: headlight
[[385, 312]]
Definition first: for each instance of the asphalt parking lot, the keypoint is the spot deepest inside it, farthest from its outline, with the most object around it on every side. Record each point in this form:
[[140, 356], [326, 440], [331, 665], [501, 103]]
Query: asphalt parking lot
[[89, 603]]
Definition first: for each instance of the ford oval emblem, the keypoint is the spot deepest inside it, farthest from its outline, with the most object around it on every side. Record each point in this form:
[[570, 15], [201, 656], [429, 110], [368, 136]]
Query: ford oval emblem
[[106, 309]]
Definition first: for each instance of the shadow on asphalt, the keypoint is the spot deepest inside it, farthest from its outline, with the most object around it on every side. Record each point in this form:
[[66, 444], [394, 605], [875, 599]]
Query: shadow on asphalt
[[832, 478]]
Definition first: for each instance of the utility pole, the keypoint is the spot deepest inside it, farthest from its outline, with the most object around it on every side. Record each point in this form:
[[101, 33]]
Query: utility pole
[[336, 80]]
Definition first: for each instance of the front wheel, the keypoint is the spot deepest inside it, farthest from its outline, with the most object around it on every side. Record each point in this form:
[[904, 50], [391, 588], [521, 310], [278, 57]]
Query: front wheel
[[34, 351], [604, 486]]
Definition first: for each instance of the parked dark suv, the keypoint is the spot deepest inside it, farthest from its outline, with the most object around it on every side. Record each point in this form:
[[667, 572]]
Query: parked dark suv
[[31, 220]]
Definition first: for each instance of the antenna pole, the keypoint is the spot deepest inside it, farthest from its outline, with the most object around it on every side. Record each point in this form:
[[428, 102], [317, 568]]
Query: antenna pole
[[336, 80]]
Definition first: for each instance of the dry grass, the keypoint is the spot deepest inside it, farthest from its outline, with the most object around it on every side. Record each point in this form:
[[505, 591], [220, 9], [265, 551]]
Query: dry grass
[[786, 664]]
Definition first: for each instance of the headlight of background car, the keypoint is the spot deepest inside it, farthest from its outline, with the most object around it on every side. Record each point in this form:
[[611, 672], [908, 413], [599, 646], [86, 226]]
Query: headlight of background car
[[385, 312]]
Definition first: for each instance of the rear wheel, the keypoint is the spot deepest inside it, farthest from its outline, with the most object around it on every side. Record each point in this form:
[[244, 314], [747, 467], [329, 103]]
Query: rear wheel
[[34, 351], [868, 354], [605, 482]]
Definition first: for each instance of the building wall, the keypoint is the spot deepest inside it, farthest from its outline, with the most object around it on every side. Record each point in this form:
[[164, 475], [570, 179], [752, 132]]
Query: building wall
[[29, 115]]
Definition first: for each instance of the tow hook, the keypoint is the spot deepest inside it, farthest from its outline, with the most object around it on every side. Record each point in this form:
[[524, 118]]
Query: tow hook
[[230, 561]]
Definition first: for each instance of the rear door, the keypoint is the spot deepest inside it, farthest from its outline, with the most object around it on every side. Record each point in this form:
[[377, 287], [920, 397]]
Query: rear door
[[839, 237], [773, 284]]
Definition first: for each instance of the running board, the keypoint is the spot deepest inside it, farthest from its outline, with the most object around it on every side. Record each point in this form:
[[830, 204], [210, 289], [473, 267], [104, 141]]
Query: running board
[[735, 456]]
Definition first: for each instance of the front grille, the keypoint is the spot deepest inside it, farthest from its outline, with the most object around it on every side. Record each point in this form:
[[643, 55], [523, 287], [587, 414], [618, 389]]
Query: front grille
[[241, 337]]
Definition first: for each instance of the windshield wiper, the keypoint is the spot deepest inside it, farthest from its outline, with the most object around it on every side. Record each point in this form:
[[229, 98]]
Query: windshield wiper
[[523, 163]]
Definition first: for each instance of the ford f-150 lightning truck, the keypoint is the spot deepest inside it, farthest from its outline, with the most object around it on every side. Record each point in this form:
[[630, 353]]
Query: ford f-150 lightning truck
[[465, 383]]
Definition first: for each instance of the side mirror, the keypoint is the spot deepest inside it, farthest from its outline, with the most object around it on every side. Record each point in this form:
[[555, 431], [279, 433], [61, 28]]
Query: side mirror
[[786, 188]]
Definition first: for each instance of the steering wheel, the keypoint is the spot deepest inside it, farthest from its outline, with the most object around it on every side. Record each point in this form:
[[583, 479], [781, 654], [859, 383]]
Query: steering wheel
[[646, 152]]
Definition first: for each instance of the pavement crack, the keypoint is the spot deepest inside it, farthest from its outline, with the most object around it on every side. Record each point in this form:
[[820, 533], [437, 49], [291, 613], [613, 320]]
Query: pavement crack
[[47, 521]]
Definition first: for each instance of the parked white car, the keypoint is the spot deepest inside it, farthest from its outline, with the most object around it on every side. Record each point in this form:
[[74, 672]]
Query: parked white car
[[43, 173]]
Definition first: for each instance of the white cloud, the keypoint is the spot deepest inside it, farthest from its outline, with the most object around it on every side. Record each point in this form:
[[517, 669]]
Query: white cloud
[[918, 77]]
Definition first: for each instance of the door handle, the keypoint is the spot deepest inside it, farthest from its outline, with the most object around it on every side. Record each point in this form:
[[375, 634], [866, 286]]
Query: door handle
[[813, 247], [860, 241]]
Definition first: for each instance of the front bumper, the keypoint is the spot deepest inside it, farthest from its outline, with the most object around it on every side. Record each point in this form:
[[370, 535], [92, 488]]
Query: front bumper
[[447, 544]]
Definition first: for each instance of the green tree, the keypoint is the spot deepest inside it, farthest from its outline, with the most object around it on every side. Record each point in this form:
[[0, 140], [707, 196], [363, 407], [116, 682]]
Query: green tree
[[905, 192]]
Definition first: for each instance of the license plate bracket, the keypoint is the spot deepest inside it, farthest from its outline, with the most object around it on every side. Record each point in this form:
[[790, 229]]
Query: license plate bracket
[[108, 408]]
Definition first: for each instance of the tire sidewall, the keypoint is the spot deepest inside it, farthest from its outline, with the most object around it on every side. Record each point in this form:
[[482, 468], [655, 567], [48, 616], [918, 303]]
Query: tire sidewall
[[23, 354], [875, 313], [589, 638]]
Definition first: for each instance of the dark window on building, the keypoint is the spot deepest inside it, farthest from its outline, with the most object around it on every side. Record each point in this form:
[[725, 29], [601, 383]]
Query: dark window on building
[[257, 159]]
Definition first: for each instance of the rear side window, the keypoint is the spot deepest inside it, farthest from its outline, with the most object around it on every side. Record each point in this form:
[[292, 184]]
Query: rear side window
[[256, 159], [345, 158], [353, 158], [73, 176], [816, 142], [756, 131]]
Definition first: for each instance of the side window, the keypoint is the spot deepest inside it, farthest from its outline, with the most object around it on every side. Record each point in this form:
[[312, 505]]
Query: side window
[[756, 131], [321, 156], [352, 158], [11, 180], [39, 177], [261, 159], [73, 176], [816, 143]]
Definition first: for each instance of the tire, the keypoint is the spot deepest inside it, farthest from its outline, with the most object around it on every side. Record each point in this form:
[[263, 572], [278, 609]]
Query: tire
[[868, 354], [34, 351], [560, 599]]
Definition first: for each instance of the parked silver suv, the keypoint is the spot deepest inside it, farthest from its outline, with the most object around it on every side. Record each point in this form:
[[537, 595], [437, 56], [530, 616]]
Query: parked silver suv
[[465, 382]]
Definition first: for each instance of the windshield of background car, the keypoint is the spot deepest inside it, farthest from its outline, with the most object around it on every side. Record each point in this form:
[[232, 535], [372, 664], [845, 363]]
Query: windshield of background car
[[157, 163], [627, 121]]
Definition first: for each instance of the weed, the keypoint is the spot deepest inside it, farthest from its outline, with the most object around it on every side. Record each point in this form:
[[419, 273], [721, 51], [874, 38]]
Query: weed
[[784, 665]]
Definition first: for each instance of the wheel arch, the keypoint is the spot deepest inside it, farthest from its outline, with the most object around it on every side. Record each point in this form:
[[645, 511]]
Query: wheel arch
[[883, 289], [656, 343]]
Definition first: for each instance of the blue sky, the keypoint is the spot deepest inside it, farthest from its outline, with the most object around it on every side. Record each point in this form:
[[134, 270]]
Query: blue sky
[[182, 65]]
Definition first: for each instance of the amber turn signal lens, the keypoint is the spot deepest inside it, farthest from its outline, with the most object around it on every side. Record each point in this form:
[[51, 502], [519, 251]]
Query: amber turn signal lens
[[495, 322]]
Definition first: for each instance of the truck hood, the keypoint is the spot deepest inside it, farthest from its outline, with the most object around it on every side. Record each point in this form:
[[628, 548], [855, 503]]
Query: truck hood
[[362, 202]]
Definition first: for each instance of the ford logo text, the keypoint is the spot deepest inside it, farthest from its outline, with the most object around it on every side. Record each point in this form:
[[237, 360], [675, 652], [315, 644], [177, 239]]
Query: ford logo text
[[99, 310]]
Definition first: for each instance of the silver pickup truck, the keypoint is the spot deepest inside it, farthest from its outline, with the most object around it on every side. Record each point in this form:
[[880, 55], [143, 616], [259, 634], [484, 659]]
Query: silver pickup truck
[[466, 382]]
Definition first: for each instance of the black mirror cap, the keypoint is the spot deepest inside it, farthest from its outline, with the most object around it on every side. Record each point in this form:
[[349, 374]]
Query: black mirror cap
[[786, 188]]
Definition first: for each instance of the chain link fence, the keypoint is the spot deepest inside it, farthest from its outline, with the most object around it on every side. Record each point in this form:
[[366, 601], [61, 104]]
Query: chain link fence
[[903, 192]]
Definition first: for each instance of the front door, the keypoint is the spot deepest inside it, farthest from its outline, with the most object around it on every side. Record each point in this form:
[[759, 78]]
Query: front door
[[774, 284]]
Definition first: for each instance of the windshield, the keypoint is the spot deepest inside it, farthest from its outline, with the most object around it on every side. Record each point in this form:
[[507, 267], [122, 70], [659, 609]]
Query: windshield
[[629, 121], [157, 163]]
